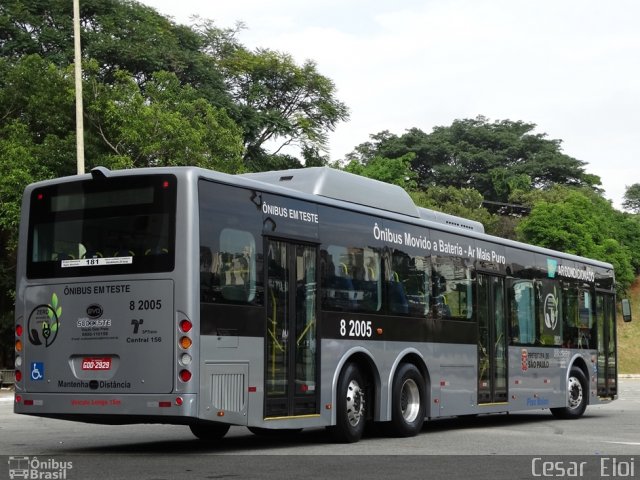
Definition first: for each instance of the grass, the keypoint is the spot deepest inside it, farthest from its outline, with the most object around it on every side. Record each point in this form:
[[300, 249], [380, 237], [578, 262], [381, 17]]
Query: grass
[[629, 335]]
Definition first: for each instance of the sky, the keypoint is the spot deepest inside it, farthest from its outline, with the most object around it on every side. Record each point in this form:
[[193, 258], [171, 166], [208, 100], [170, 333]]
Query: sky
[[571, 67]]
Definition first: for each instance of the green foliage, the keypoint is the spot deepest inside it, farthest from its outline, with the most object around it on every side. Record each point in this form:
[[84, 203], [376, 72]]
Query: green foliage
[[390, 170], [118, 34], [583, 223], [496, 159], [277, 102], [166, 124], [462, 202], [632, 198]]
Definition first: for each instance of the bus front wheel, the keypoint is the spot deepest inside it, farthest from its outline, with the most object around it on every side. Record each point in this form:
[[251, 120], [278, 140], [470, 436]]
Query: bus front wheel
[[350, 408], [209, 432], [577, 396]]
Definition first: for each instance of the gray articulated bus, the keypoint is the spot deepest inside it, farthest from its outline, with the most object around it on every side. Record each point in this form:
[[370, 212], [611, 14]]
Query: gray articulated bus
[[293, 299]]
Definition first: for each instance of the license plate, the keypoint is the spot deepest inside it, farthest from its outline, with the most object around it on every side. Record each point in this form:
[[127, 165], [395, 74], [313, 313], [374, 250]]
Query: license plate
[[101, 363]]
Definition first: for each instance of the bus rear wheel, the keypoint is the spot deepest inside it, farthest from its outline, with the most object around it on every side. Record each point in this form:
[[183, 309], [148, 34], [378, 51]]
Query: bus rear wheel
[[577, 396], [209, 432], [408, 405], [350, 408]]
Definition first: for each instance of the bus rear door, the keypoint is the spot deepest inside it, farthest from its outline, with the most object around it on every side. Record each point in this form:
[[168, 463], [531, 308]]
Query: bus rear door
[[291, 373]]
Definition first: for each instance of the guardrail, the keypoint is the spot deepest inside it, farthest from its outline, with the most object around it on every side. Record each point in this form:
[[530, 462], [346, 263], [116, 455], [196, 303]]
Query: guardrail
[[7, 378]]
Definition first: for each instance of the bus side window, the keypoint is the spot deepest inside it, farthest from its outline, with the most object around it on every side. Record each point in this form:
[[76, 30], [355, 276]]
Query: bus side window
[[407, 284], [523, 312], [351, 279], [237, 269], [452, 289]]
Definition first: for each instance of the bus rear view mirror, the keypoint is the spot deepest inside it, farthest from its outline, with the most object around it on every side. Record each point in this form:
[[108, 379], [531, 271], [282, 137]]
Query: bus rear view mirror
[[626, 310]]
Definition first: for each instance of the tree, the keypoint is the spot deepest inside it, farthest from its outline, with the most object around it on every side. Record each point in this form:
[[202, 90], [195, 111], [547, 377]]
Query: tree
[[462, 202], [632, 198], [495, 158], [396, 171], [118, 34], [581, 222], [278, 103], [166, 124]]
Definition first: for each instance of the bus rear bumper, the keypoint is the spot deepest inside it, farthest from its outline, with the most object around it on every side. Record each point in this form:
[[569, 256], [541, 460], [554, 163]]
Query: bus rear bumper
[[110, 409]]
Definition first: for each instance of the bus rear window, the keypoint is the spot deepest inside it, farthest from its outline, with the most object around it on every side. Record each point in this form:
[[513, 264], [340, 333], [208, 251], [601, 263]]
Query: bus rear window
[[120, 225]]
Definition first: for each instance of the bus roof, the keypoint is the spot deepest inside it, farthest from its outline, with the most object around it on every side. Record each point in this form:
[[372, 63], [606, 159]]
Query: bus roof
[[340, 185]]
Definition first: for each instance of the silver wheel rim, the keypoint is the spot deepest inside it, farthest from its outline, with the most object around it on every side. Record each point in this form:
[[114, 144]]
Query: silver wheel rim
[[409, 400], [575, 393], [355, 403]]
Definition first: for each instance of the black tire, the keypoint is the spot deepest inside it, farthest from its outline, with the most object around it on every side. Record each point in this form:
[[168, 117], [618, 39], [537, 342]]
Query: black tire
[[577, 396], [408, 402], [350, 406], [209, 432]]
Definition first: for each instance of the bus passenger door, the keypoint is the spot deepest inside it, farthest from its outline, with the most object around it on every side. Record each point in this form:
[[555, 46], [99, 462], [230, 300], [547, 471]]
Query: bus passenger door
[[291, 340], [606, 334], [492, 340]]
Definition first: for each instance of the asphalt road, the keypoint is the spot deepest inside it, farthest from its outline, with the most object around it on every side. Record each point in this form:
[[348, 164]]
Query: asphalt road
[[494, 446]]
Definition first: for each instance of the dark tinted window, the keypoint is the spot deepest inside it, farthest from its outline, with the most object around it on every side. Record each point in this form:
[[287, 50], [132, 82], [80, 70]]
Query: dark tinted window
[[230, 244], [118, 225]]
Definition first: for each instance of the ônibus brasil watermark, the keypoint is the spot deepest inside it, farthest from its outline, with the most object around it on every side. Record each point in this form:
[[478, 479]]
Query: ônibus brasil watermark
[[38, 469]]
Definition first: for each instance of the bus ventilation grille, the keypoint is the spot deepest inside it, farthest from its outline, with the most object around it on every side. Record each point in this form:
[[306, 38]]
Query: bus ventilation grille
[[228, 391]]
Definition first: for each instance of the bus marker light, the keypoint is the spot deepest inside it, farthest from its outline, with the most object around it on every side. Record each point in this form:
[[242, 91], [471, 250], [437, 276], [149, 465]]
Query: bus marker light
[[18, 398], [27, 403], [19, 330], [186, 325], [179, 401], [164, 404], [253, 389], [185, 375], [220, 413], [379, 331], [185, 342], [328, 406]]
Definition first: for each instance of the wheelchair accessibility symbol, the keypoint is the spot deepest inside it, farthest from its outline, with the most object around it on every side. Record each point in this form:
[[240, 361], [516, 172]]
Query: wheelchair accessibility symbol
[[37, 371]]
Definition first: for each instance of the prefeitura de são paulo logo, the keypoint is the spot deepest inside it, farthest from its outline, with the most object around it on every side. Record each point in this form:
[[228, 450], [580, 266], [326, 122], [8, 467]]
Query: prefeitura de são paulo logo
[[44, 323]]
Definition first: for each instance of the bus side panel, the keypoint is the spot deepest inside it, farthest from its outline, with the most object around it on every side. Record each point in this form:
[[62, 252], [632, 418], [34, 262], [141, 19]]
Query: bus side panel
[[538, 376]]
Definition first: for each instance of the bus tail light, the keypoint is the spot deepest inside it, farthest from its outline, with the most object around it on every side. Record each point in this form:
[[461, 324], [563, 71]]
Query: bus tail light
[[185, 375], [18, 376], [186, 326], [18, 347]]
